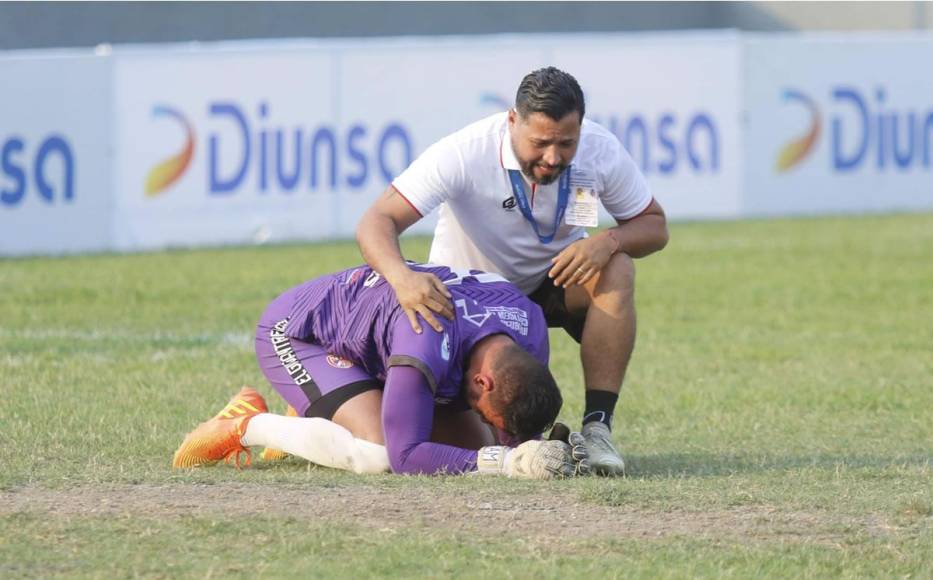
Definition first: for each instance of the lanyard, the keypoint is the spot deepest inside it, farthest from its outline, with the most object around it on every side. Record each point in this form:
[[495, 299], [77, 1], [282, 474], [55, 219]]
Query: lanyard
[[563, 194]]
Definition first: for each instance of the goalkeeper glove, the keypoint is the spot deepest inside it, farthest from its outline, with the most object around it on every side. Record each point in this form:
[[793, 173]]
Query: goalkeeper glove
[[530, 460], [577, 443]]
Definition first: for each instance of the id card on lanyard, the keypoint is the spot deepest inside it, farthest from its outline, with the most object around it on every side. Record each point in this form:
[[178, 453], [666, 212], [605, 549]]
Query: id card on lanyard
[[563, 195]]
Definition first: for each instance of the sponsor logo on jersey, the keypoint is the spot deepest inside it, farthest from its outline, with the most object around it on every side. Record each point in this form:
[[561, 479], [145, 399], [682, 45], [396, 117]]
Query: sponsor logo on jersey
[[338, 362], [445, 347], [514, 318], [283, 349], [372, 279], [509, 204], [354, 276]]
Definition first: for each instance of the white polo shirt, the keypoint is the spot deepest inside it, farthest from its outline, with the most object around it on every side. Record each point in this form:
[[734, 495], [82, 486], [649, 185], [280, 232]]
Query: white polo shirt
[[481, 226]]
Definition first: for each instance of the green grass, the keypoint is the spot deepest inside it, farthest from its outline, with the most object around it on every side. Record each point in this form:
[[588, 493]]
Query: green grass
[[782, 367]]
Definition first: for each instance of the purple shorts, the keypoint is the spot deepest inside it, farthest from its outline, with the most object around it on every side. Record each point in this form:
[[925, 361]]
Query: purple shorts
[[313, 381]]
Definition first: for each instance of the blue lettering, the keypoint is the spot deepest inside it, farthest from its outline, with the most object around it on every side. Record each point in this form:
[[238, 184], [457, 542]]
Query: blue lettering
[[357, 180], [287, 181], [396, 132], [13, 171], [879, 94], [324, 135], [903, 158], [319, 157], [53, 153], [927, 129], [667, 143], [841, 161], [263, 151], [217, 184], [637, 125], [51, 145], [702, 121], [658, 146]]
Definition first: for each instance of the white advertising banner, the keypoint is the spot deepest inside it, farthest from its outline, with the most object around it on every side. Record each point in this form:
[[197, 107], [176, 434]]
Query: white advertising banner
[[838, 124], [248, 142], [233, 145], [674, 101], [229, 147], [431, 89], [55, 169]]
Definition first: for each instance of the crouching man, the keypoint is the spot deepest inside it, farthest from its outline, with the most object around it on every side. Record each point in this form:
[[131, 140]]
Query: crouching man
[[371, 395]]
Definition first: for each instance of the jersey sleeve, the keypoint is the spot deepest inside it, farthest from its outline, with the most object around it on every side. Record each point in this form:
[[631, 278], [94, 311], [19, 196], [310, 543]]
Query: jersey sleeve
[[407, 419], [428, 352], [623, 192], [435, 176]]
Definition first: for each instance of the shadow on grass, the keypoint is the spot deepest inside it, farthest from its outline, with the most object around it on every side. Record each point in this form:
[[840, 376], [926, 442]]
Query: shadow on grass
[[680, 465]]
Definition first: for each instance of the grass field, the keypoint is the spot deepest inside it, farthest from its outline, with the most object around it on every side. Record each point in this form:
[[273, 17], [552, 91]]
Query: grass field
[[777, 421]]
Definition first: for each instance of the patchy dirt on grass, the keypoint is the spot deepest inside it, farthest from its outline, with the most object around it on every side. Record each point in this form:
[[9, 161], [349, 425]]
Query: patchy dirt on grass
[[539, 517]]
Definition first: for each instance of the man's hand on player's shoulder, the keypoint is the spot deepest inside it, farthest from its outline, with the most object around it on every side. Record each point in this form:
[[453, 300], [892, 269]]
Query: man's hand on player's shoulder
[[422, 293], [582, 260]]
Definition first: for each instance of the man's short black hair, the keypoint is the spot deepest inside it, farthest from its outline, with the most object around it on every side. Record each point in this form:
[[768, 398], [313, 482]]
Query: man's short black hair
[[550, 91], [526, 393]]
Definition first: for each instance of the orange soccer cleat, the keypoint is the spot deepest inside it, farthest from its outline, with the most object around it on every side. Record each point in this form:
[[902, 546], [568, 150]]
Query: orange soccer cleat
[[270, 454], [219, 438]]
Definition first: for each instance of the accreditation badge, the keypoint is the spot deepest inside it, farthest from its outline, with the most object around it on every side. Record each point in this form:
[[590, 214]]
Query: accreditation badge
[[583, 209]]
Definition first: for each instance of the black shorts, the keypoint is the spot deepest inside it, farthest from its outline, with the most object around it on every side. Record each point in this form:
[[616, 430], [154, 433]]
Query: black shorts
[[552, 301]]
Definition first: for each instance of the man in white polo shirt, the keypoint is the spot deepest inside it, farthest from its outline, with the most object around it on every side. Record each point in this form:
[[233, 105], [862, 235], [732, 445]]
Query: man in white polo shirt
[[516, 191]]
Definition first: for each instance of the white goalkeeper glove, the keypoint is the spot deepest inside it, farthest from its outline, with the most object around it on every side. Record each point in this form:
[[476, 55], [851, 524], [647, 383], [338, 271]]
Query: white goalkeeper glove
[[530, 460]]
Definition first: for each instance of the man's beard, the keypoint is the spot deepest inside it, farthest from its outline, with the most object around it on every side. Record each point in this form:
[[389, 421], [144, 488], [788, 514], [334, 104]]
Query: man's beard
[[528, 171]]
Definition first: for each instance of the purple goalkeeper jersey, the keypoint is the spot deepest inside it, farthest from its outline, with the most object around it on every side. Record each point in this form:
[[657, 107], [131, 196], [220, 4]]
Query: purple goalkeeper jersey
[[355, 314]]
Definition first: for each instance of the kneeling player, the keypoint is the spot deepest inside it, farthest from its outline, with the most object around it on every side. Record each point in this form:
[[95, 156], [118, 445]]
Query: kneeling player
[[371, 394]]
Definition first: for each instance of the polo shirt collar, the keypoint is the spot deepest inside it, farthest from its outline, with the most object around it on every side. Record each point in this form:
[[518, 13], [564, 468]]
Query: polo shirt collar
[[506, 154]]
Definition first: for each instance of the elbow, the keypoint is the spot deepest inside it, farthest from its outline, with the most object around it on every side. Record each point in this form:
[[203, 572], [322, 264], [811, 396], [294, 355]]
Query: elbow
[[362, 227], [398, 459], [664, 236]]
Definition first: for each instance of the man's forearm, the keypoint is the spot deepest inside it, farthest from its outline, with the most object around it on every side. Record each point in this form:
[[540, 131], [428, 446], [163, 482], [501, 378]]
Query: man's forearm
[[641, 236], [377, 237]]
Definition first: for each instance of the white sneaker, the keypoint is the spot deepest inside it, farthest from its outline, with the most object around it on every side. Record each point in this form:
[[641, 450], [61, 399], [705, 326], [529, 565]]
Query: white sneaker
[[603, 457]]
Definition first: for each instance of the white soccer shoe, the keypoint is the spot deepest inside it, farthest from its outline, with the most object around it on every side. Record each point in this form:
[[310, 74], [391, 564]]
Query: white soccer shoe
[[603, 457]]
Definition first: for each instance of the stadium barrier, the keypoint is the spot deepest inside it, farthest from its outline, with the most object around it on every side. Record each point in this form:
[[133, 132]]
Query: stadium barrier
[[145, 147]]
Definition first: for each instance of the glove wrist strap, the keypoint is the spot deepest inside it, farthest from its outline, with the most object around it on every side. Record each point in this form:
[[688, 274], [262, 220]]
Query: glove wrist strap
[[491, 460]]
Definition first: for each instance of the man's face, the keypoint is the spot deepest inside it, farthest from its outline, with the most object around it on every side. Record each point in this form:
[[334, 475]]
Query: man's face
[[481, 402], [544, 147]]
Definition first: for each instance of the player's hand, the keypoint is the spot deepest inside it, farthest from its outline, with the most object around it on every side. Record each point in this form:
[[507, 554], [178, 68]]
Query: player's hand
[[582, 260], [578, 452], [530, 460], [423, 293]]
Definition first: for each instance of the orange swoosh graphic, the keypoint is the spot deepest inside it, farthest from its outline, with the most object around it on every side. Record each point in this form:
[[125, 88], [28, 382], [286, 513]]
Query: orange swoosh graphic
[[168, 171], [798, 149]]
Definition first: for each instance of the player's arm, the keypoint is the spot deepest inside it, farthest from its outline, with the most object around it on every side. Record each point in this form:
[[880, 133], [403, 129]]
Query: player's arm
[[407, 418], [419, 293]]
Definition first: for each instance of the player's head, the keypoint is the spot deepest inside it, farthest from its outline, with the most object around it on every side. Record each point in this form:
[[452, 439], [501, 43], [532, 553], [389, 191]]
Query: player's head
[[545, 123], [522, 397]]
